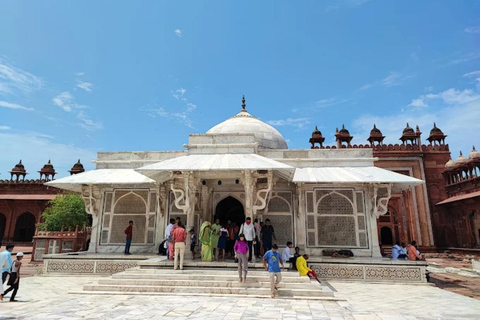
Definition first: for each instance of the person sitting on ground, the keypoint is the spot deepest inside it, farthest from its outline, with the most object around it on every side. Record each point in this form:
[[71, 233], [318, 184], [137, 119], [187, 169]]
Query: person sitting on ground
[[413, 252], [303, 269], [397, 252], [287, 256], [297, 252]]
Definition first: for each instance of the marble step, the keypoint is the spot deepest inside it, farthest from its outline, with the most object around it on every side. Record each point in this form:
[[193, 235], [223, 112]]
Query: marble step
[[207, 277], [247, 291], [207, 283], [206, 271], [186, 295]]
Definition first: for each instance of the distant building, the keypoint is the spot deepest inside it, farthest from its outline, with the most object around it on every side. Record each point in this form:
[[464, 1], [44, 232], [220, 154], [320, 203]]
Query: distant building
[[445, 211], [22, 201]]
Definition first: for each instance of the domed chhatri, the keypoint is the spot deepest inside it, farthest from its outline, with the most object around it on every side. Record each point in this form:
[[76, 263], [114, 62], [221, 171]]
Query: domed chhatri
[[408, 129], [77, 168], [343, 136], [450, 163], [317, 138], [18, 171], [474, 154], [436, 135], [461, 159], [48, 171], [376, 136], [410, 135], [267, 136]]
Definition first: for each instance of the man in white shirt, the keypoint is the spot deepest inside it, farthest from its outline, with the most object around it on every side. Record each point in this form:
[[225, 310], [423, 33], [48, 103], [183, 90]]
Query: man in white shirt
[[248, 230], [168, 230], [287, 255], [6, 263]]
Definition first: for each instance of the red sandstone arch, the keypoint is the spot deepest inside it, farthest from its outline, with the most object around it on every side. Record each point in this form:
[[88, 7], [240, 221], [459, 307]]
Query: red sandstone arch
[[3, 225], [24, 227]]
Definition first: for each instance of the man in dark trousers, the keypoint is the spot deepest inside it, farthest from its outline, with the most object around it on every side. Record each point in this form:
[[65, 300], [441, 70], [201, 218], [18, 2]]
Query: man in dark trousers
[[129, 234]]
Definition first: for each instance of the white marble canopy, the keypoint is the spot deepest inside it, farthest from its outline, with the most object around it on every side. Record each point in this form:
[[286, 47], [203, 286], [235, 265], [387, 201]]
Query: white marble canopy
[[117, 177], [342, 175], [217, 162]]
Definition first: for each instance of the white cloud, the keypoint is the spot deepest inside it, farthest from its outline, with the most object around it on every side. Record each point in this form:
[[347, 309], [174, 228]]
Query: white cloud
[[178, 33], [464, 57], [178, 94], [79, 74], [14, 80], [5, 128], [393, 79], [475, 29], [366, 86], [181, 117], [294, 122], [330, 102], [87, 86], [87, 123], [5, 104], [35, 149], [65, 101], [472, 74], [420, 102]]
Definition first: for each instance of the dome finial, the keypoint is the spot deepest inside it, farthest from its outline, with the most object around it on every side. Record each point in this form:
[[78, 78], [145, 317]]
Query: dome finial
[[461, 153], [434, 125], [243, 103], [474, 148]]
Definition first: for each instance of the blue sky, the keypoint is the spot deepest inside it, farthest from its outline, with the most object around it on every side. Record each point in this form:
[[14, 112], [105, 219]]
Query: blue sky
[[77, 77]]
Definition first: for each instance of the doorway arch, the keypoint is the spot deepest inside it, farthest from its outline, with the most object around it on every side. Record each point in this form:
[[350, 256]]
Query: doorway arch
[[24, 227], [386, 236], [230, 209], [3, 225]]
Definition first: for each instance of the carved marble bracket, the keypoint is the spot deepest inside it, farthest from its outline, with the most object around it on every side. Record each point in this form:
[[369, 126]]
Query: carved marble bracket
[[161, 198], [92, 197], [185, 195], [381, 201], [262, 194]]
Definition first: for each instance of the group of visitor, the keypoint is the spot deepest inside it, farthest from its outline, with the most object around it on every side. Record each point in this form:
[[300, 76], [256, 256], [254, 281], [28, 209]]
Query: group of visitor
[[409, 252], [10, 270], [219, 238]]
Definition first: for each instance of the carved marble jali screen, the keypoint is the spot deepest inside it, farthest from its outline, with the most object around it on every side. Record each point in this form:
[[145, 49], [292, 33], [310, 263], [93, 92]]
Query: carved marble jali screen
[[336, 218], [121, 206], [279, 211]]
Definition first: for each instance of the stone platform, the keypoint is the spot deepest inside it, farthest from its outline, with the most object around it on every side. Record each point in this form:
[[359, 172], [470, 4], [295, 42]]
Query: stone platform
[[369, 269], [91, 263], [207, 282], [352, 269]]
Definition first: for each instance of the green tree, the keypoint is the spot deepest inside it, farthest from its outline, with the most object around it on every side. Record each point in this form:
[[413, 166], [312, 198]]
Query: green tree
[[65, 210]]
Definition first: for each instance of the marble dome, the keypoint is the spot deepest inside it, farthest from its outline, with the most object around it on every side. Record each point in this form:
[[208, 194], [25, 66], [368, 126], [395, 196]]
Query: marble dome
[[267, 136]]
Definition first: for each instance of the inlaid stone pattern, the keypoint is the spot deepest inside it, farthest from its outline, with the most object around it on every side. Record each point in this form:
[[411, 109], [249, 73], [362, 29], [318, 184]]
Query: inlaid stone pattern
[[338, 271], [359, 200], [120, 222], [310, 202], [131, 203], [335, 204], [389, 273], [72, 267], [336, 231], [111, 267], [278, 204], [283, 228]]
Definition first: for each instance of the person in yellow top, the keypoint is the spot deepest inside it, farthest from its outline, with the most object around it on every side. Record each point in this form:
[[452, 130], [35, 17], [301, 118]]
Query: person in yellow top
[[303, 269]]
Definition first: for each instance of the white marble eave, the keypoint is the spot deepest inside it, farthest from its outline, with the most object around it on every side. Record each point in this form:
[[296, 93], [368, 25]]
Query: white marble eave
[[118, 177], [348, 175]]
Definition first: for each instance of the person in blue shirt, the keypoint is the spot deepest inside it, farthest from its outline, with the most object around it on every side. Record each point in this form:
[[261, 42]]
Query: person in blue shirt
[[397, 252], [272, 261], [6, 262]]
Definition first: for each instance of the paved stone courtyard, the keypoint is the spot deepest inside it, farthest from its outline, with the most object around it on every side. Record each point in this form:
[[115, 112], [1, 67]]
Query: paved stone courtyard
[[46, 297]]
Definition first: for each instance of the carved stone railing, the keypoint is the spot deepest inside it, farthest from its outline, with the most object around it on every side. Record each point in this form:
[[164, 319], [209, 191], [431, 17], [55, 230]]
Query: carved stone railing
[[64, 241]]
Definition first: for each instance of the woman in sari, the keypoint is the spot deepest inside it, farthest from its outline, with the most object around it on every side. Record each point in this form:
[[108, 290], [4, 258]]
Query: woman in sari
[[205, 239]]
